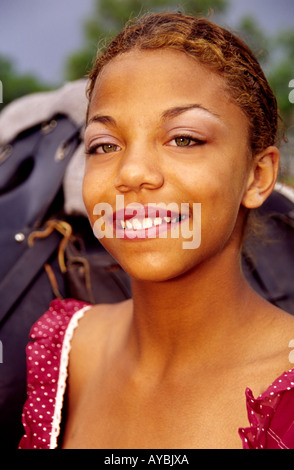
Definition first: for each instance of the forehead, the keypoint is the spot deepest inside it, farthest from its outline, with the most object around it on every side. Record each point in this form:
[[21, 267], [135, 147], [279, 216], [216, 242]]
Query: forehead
[[159, 68], [158, 79]]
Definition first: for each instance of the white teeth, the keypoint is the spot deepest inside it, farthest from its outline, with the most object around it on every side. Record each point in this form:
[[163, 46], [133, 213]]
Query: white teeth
[[136, 224], [129, 224], [147, 222], [157, 221]]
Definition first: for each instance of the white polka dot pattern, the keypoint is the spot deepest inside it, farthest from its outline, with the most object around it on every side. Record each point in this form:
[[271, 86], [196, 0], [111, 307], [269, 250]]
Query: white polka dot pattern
[[47, 361], [271, 416]]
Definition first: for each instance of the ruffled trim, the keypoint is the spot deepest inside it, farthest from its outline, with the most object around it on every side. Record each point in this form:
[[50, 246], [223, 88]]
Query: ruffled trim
[[270, 426], [63, 373]]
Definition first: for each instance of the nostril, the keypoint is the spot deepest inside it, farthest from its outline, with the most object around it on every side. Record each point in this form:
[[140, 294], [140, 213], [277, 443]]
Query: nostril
[[19, 176], [136, 178]]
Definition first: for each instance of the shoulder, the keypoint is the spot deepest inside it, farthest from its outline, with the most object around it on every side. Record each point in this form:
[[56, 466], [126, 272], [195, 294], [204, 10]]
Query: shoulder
[[100, 334], [266, 354], [102, 324], [278, 334], [272, 329], [282, 327]]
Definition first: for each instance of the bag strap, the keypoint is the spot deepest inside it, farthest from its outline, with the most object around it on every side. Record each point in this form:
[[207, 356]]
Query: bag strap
[[25, 270]]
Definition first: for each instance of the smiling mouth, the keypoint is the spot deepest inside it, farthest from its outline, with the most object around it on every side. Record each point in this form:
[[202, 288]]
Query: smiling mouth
[[149, 222], [141, 224]]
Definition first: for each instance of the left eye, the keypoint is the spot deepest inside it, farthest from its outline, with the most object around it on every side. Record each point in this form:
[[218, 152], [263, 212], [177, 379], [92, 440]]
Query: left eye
[[185, 141]]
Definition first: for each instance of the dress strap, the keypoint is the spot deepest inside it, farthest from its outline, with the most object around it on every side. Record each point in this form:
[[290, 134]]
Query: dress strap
[[47, 364]]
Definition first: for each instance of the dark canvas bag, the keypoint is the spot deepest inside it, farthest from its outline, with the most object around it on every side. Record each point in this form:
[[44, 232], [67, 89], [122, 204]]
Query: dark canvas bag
[[31, 173], [268, 262]]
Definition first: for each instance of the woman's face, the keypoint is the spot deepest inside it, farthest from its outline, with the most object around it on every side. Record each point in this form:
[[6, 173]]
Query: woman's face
[[163, 134]]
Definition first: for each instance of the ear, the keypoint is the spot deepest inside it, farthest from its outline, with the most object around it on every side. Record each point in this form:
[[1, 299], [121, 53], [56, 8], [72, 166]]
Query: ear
[[262, 177]]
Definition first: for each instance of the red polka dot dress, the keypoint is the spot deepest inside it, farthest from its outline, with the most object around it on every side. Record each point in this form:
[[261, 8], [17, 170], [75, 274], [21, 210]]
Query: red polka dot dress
[[47, 361], [271, 415]]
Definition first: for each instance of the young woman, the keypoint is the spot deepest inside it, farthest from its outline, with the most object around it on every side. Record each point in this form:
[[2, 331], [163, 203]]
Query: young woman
[[180, 145]]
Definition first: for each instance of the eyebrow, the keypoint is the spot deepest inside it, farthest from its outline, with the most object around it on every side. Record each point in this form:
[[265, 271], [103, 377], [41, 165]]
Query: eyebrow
[[168, 114], [106, 120], [178, 110]]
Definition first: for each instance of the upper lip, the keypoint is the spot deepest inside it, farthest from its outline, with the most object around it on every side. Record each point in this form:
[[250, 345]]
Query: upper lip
[[141, 212]]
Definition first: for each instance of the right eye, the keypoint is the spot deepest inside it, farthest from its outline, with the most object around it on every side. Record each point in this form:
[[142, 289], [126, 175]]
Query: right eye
[[108, 148], [102, 148]]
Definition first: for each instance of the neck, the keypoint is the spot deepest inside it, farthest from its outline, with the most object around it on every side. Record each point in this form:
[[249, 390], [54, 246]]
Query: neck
[[192, 314]]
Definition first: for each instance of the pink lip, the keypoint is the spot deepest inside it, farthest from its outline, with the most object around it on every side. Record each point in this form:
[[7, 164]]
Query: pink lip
[[140, 213]]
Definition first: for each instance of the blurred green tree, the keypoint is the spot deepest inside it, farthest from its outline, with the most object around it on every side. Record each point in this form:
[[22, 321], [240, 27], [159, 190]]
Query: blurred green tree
[[276, 55], [14, 84], [109, 16], [281, 73], [251, 32]]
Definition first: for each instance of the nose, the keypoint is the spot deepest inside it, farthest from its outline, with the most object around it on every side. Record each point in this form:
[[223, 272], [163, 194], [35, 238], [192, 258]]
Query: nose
[[139, 169]]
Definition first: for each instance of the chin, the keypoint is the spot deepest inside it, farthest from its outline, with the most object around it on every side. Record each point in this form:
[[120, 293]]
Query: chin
[[155, 264], [158, 271]]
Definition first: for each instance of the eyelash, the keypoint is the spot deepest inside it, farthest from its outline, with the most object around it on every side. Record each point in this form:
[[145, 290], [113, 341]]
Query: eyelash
[[93, 149], [196, 142]]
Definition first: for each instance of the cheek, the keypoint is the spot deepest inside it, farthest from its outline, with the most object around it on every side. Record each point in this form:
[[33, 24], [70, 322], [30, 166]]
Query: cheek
[[88, 194], [93, 192], [220, 196]]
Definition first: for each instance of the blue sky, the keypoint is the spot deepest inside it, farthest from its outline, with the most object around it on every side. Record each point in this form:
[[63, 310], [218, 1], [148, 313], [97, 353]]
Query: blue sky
[[39, 35]]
